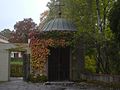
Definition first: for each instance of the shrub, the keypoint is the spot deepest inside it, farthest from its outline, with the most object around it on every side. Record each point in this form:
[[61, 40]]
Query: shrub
[[16, 70], [16, 59], [90, 64]]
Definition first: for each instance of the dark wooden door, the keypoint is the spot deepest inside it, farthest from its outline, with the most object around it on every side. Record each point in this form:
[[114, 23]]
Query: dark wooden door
[[58, 64]]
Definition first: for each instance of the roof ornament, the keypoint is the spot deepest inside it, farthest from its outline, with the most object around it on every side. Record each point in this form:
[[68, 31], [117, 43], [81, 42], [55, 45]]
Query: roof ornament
[[59, 5]]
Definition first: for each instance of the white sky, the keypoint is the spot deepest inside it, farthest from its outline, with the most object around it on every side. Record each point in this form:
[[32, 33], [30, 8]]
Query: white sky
[[12, 11]]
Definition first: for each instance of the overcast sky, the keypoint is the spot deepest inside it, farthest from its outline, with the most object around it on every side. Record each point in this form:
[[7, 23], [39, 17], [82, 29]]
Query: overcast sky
[[12, 11]]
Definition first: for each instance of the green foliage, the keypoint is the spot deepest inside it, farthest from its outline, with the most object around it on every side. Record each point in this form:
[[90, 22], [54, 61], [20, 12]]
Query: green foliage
[[16, 59], [22, 30], [52, 12], [16, 70], [68, 36], [91, 20], [6, 33], [16, 62], [90, 64], [114, 18], [16, 67], [40, 46]]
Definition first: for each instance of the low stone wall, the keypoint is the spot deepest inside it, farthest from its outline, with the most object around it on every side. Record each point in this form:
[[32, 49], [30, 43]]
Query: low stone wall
[[101, 77]]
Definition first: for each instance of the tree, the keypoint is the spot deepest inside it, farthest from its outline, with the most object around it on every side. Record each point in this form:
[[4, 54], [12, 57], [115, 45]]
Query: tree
[[22, 30], [6, 33], [114, 18], [43, 19], [51, 6], [114, 23]]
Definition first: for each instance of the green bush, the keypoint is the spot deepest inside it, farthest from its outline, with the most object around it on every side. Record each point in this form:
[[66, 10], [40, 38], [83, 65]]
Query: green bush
[[16, 70], [16, 59], [90, 64], [16, 62], [37, 78]]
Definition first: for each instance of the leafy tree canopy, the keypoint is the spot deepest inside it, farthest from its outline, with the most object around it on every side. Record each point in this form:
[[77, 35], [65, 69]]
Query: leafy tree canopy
[[6, 33], [22, 30]]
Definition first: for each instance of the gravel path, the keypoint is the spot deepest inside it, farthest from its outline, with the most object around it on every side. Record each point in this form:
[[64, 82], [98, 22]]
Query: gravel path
[[19, 84]]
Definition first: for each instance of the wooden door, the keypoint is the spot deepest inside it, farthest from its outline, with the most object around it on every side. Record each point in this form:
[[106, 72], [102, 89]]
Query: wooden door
[[59, 64]]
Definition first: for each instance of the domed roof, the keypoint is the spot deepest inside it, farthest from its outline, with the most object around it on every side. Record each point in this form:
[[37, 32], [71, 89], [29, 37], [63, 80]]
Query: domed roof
[[59, 24]]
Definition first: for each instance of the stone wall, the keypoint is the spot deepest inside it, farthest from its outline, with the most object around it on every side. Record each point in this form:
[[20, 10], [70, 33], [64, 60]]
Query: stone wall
[[102, 78]]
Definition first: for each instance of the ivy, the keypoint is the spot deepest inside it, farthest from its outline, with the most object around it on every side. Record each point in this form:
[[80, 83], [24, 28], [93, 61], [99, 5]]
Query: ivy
[[40, 43]]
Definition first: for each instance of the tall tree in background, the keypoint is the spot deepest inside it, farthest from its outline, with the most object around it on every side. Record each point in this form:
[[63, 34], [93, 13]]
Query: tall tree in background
[[103, 42], [22, 30], [51, 6], [114, 18], [43, 19], [6, 33]]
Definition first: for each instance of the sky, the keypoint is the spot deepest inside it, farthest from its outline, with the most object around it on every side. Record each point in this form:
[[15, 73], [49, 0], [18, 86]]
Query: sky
[[12, 11]]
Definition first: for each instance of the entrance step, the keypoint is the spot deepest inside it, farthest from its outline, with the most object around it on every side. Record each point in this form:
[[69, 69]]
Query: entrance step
[[16, 78], [66, 83]]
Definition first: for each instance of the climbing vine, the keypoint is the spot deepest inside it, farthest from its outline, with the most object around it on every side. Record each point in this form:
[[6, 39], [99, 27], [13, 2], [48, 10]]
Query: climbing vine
[[40, 49]]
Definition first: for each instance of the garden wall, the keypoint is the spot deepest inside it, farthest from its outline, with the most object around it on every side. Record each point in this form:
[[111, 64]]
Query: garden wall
[[4, 61], [102, 77]]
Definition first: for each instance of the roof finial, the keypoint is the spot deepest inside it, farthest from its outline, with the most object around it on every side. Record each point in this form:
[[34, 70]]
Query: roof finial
[[58, 4]]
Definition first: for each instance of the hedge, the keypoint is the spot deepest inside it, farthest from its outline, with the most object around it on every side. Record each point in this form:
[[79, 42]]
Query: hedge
[[16, 70]]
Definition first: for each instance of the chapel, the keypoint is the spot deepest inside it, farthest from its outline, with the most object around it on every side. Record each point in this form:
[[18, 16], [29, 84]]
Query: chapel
[[64, 60]]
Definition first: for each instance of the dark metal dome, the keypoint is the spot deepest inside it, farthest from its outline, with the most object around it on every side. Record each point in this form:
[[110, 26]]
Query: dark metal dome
[[59, 24]]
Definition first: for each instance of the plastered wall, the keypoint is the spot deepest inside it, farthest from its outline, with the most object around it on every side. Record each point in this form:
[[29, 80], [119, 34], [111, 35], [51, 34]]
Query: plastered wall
[[4, 65]]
